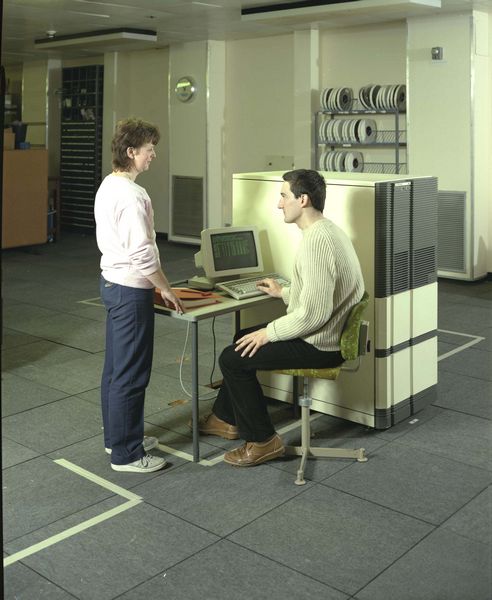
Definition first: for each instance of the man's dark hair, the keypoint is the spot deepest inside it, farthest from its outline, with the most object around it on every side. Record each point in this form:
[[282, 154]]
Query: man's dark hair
[[309, 182], [131, 133]]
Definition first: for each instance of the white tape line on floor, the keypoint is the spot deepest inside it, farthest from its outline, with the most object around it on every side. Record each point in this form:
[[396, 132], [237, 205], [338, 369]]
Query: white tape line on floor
[[112, 487], [180, 454], [475, 340], [132, 498], [69, 532]]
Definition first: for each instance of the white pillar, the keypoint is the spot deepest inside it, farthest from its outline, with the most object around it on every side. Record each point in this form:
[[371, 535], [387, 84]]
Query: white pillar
[[215, 171], [306, 95], [196, 128], [449, 120]]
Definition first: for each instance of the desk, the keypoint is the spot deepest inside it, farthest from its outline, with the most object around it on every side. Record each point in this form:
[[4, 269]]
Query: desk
[[225, 306]]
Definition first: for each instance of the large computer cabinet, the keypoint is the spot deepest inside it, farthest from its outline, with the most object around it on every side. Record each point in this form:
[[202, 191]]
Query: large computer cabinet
[[392, 222]]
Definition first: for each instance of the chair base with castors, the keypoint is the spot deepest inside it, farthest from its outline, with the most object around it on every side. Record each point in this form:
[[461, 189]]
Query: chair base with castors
[[305, 450], [353, 344]]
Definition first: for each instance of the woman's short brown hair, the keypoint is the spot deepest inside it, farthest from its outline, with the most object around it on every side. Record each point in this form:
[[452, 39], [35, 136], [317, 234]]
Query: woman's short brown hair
[[131, 133]]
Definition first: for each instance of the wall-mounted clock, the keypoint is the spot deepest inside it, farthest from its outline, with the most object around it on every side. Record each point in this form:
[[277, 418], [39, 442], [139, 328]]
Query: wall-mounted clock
[[185, 89]]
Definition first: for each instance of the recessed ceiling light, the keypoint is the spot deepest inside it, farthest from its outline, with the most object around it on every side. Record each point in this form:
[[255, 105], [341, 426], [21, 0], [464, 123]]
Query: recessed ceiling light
[[99, 38], [102, 3], [208, 4], [77, 12]]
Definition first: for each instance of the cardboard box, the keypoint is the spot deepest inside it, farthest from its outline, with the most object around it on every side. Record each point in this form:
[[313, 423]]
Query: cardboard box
[[8, 140]]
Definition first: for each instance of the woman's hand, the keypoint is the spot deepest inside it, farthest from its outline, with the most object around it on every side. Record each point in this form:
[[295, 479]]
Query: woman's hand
[[270, 287], [249, 344], [171, 300]]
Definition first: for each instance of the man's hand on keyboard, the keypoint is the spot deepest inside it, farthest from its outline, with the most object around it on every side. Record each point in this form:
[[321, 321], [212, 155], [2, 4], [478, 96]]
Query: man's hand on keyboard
[[270, 287], [249, 343]]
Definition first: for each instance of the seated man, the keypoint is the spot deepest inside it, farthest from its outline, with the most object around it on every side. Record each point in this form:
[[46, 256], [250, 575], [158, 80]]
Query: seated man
[[326, 283]]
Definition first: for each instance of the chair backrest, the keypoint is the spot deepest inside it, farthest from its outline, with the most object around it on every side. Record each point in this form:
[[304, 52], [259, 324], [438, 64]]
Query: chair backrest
[[349, 343]]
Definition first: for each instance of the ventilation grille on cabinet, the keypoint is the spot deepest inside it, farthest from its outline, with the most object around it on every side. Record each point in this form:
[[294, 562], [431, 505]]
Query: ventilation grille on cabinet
[[424, 232], [424, 272], [451, 231], [392, 252], [406, 235], [187, 206]]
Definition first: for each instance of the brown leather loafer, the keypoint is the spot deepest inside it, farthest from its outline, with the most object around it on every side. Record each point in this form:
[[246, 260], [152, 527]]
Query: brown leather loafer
[[255, 453], [212, 425]]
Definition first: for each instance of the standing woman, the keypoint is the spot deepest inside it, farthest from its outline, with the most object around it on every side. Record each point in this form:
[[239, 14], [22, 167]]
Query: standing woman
[[131, 268]]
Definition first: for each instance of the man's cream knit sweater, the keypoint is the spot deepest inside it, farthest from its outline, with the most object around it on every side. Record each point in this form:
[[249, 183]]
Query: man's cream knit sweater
[[326, 283]]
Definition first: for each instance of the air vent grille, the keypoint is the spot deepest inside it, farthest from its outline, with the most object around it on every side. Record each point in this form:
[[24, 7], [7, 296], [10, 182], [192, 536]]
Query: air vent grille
[[451, 231], [187, 206]]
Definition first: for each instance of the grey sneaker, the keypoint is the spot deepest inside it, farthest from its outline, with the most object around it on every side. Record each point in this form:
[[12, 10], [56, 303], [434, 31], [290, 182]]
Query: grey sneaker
[[149, 443], [146, 464]]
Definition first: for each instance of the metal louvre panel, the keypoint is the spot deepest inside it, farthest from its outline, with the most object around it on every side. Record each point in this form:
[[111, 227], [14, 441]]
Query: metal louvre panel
[[79, 199], [451, 231], [424, 266], [80, 145], [383, 244], [424, 232], [187, 203], [392, 252], [401, 272], [401, 237], [79, 185]]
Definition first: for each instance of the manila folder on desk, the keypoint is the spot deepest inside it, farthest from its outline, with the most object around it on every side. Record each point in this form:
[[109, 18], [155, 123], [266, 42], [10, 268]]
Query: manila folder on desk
[[190, 298]]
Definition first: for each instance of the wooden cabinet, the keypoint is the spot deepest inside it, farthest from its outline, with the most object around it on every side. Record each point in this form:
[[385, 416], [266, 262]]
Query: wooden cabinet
[[25, 197]]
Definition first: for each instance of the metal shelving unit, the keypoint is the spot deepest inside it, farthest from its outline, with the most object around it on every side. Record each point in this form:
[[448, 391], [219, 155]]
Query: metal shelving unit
[[81, 145], [394, 138], [12, 110]]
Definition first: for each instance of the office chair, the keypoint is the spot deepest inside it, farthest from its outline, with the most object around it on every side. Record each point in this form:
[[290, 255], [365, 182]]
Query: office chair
[[353, 345]]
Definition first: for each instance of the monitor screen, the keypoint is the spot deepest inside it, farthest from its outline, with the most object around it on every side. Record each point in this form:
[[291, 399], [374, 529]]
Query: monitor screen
[[227, 252], [233, 250]]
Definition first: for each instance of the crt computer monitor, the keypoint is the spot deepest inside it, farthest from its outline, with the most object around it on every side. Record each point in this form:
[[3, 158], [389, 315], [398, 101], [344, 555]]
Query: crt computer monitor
[[228, 252]]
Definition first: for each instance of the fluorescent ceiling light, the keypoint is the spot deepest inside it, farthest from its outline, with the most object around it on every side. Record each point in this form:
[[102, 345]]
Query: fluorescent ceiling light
[[208, 4], [79, 12], [102, 3], [94, 38], [314, 10]]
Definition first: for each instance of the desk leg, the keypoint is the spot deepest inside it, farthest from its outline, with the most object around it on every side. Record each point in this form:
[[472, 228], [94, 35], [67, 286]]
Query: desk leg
[[194, 390]]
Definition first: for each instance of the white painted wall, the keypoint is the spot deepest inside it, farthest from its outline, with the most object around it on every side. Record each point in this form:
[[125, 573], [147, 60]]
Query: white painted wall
[[449, 119], [481, 142], [489, 151], [259, 106], [357, 56], [135, 85], [188, 120], [13, 78], [216, 106], [306, 95], [34, 100], [187, 133], [263, 115], [439, 100], [197, 125], [53, 107]]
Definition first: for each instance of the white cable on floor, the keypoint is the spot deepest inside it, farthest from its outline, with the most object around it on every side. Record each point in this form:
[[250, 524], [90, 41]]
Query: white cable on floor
[[189, 394]]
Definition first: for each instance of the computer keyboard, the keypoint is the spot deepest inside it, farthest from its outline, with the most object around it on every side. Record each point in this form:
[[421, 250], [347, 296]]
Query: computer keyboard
[[246, 288]]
